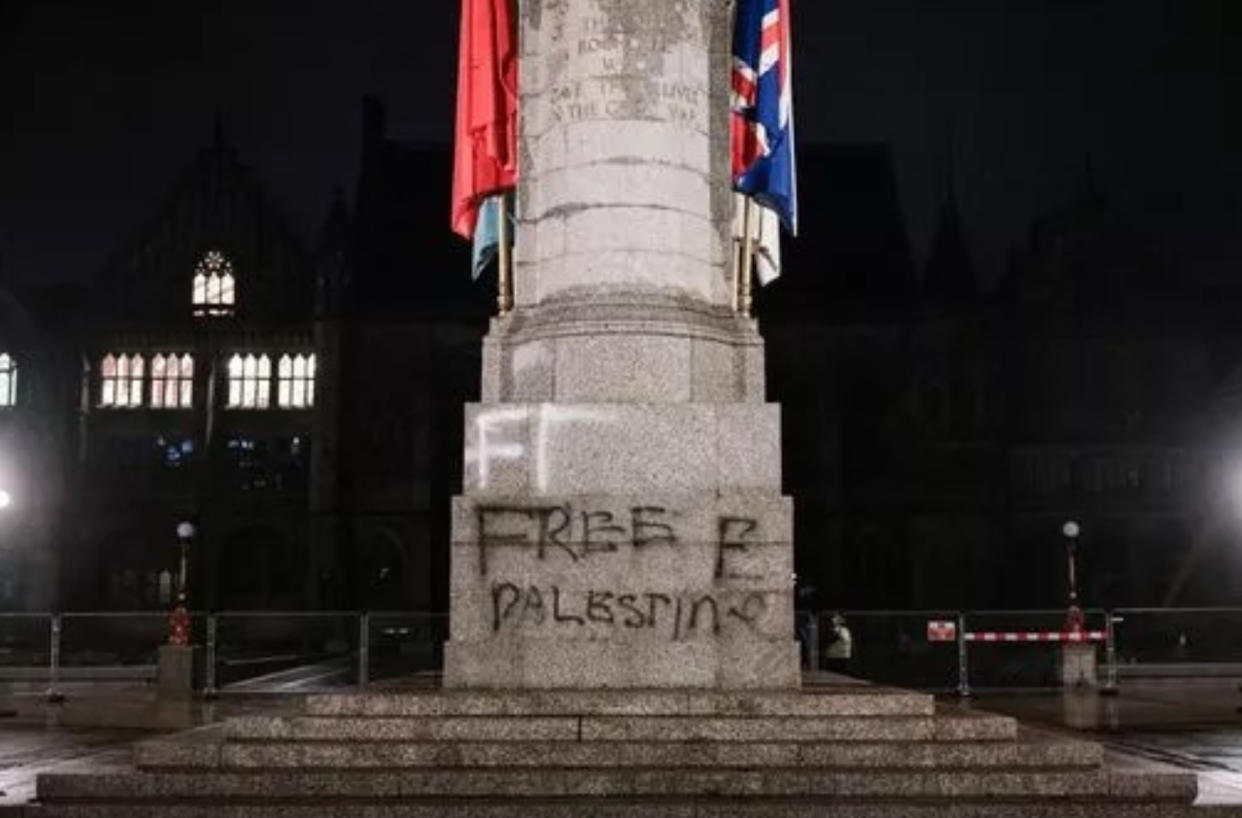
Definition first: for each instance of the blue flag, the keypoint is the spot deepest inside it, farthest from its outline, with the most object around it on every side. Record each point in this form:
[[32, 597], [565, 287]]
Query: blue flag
[[764, 157], [487, 235]]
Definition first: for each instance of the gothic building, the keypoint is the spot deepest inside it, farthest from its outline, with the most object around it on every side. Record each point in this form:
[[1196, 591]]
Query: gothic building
[[302, 404]]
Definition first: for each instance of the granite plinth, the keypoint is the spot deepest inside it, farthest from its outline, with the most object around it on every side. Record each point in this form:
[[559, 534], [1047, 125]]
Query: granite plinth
[[845, 751], [622, 591], [602, 348], [673, 450]]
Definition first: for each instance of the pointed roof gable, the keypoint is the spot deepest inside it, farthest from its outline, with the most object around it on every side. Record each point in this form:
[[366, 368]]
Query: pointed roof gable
[[949, 278], [216, 203]]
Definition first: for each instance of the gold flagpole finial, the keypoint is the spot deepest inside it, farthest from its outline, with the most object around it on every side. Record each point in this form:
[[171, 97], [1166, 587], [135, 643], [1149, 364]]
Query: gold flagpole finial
[[504, 274], [745, 278]]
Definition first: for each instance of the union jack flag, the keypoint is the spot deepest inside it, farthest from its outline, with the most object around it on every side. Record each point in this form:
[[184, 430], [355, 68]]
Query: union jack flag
[[764, 163]]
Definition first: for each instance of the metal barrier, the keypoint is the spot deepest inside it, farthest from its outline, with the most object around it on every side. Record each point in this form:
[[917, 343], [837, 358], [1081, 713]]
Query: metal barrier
[[1003, 649], [299, 651], [242, 651]]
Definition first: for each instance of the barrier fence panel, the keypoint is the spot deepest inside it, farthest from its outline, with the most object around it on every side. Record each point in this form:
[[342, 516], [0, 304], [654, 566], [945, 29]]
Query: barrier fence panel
[[290, 651], [118, 645], [1173, 641], [24, 642], [404, 643], [1023, 648], [285, 651]]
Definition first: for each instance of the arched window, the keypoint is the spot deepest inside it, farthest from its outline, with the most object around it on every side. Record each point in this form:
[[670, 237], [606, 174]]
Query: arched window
[[120, 381], [172, 381], [250, 382], [8, 380], [295, 388], [214, 290]]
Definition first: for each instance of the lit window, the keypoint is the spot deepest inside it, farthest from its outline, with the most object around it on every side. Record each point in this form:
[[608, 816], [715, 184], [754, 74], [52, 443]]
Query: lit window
[[295, 388], [250, 382], [214, 288], [172, 381], [120, 384], [8, 380]]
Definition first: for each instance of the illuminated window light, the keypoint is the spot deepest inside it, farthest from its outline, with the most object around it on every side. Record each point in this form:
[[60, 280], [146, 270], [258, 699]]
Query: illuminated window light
[[250, 382], [172, 381], [8, 381], [120, 382], [295, 387], [213, 290]]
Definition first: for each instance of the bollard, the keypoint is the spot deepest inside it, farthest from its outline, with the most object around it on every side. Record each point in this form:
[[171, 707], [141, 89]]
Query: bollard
[[54, 695], [209, 681], [1110, 654], [364, 642], [963, 669]]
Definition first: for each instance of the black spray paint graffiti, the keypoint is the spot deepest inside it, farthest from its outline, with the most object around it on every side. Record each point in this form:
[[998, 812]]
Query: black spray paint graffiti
[[579, 534], [679, 616]]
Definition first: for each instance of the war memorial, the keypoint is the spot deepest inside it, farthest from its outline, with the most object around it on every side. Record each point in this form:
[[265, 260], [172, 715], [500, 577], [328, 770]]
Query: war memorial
[[622, 637]]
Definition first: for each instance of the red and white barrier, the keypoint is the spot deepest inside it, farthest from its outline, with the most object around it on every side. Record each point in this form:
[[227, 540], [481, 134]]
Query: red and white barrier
[[1037, 636]]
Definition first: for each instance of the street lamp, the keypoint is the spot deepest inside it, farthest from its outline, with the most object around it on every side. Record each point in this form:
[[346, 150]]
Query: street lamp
[[6, 500], [179, 622], [185, 536], [1073, 618]]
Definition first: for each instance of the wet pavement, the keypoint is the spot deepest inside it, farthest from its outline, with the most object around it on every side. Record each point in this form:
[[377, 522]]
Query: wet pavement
[[1174, 723], [94, 729]]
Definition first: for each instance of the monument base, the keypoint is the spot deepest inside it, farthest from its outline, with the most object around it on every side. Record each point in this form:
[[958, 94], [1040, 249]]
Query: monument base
[[587, 665], [847, 750]]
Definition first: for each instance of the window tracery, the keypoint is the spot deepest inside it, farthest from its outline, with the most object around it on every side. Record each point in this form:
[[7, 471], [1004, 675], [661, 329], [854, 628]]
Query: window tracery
[[172, 381], [296, 382], [250, 382], [120, 383], [214, 290]]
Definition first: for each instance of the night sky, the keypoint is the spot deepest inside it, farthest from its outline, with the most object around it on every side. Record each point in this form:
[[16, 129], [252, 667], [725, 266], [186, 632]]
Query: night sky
[[102, 103]]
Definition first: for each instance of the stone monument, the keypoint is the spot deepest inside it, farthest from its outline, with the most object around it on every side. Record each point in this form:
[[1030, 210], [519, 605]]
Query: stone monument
[[621, 523]]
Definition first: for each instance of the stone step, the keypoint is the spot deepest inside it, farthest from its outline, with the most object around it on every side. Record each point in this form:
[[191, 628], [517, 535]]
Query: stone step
[[164, 754], [624, 728], [846, 700], [1037, 785], [649, 808]]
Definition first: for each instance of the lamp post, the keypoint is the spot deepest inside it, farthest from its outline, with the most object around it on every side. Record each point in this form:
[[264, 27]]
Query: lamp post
[[6, 706], [179, 622], [1073, 617]]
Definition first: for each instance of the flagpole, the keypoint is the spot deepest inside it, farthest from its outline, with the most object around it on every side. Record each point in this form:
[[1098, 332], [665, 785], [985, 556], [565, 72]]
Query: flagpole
[[737, 245], [504, 283], [748, 257]]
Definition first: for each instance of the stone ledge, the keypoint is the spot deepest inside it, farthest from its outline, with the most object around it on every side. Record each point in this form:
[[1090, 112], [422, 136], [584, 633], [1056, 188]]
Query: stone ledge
[[888, 756], [645, 808], [847, 701], [622, 728], [624, 783]]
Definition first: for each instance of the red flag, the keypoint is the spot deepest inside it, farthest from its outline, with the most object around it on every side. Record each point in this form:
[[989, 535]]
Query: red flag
[[485, 155]]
